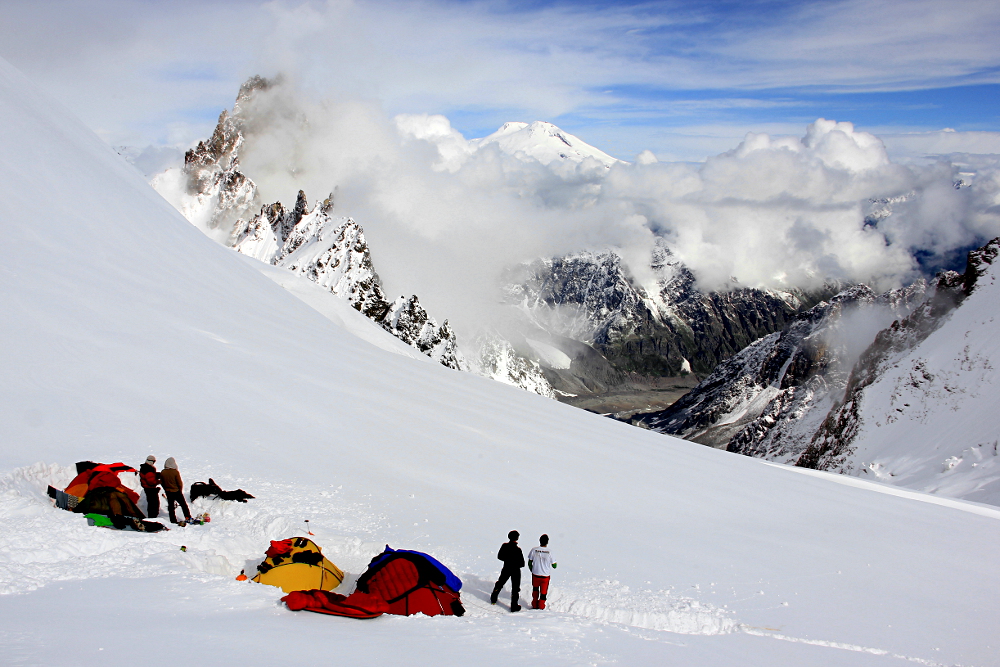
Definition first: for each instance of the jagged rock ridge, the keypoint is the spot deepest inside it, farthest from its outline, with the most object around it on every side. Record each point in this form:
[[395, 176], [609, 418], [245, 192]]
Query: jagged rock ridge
[[800, 396], [665, 328], [330, 251], [766, 400]]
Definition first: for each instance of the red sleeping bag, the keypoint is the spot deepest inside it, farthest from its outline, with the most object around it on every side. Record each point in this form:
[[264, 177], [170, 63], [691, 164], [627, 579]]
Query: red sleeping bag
[[356, 605]]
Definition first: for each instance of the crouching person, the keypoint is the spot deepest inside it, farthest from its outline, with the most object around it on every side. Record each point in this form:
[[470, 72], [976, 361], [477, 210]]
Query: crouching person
[[173, 486], [541, 565]]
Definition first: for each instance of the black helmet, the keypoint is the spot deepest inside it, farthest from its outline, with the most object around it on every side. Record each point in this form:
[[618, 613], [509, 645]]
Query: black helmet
[[513, 535]]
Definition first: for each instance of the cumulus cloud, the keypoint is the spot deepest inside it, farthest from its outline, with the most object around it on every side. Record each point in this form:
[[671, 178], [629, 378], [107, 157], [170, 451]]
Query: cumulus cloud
[[445, 215]]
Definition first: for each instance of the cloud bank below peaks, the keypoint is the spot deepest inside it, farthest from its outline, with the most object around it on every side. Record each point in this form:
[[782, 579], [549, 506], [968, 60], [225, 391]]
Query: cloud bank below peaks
[[446, 214]]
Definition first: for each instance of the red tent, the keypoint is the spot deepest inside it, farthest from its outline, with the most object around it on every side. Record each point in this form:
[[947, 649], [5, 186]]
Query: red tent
[[396, 582], [412, 582], [103, 474]]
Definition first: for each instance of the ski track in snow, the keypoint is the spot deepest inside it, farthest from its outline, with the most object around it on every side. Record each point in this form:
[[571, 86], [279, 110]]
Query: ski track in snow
[[238, 534], [844, 647]]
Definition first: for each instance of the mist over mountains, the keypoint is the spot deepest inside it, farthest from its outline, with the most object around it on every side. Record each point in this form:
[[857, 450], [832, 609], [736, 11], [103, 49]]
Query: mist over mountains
[[324, 313], [693, 263], [774, 212]]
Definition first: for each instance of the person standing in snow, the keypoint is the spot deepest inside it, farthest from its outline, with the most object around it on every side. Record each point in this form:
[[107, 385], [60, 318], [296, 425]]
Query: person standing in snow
[[513, 561], [541, 565], [150, 480], [173, 486]]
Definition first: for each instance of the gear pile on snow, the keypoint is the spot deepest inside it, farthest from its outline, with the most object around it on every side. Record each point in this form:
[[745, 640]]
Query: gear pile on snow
[[97, 492], [211, 489], [397, 582]]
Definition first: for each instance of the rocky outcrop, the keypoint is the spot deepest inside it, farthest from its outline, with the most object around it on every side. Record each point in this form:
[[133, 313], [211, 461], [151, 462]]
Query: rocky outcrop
[[498, 360], [767, 400], [407, 320], [221, 193], [831, 445], [331, 251], [667, 327]]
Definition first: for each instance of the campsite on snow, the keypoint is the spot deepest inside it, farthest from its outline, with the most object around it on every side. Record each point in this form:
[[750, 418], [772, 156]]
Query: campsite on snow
[[225, 442]]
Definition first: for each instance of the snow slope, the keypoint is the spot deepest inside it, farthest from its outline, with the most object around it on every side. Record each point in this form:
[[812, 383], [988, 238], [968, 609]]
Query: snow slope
[[929, 421], [126, 331]]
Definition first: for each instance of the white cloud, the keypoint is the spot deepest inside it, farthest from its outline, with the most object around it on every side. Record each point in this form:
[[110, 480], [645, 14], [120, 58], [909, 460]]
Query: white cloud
[[776, 210], [445, 219], [131, 68]]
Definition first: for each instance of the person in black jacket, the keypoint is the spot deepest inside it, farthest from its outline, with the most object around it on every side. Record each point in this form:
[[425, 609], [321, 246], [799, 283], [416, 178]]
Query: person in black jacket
[[513, 561]]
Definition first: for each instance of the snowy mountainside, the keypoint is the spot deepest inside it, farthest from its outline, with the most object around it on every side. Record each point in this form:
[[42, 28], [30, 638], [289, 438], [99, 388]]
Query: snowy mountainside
[[542, 141], [337, 310], [764, 401], [216, 196], [920, 407], [666, 327], [803, 397], [150, 338]]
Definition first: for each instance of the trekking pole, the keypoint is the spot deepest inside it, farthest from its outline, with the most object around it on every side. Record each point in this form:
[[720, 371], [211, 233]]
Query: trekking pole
[[307, 528]]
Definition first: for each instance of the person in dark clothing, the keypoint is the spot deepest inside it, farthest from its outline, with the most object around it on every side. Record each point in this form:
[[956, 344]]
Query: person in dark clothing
[[173, 486], [513, 561], [150, 480]]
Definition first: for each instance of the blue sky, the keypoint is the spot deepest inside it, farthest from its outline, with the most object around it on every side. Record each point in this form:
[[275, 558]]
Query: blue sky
[[680, 78]]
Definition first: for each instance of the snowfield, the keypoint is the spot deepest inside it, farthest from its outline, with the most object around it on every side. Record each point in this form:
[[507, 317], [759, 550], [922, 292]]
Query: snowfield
[[126, 331], [930, 421]]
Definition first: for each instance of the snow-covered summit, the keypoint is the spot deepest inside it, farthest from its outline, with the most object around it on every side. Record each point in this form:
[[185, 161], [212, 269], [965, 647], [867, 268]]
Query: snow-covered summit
[[543, 142]]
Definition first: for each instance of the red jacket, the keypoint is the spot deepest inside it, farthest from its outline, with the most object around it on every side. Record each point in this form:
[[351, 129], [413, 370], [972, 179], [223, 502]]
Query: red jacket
[[148, 476]]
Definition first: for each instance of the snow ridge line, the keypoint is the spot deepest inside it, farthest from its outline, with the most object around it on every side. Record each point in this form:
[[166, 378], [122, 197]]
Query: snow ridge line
[[685, 622], [845, 647], [892, 490]]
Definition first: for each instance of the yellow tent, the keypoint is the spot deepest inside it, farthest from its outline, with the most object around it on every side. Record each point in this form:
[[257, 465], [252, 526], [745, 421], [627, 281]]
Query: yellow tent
[[297, 564]]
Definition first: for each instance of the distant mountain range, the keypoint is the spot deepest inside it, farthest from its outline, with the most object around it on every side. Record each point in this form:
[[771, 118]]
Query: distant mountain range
[[582, 325], [816, 379], [913, 404]]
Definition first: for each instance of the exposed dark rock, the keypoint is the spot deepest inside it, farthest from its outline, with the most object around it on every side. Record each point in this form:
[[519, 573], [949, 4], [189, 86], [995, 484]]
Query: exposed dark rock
[[640, 333], [331, 252], [762, 401], [830, 446]]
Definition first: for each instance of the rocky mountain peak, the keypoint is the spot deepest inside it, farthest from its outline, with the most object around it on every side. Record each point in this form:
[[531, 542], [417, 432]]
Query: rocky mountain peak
[[251, 87], [978, 264], [332, 252]]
